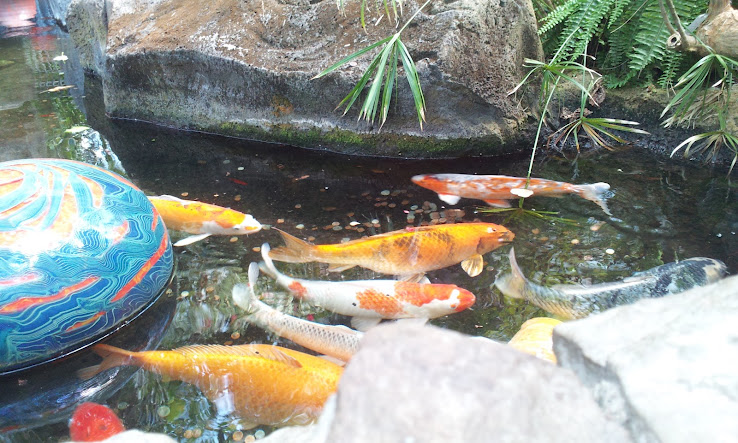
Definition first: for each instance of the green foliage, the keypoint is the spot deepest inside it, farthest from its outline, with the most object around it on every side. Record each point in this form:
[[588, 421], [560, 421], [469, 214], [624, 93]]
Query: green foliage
[[630, 37], [704, 91], [383, 73]]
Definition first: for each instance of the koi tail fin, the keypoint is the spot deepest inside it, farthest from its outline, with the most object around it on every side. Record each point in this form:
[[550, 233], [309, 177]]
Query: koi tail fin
[[267, 266], [112, 357], [244, 295], [294, 250], [597, 193], [514, 283]]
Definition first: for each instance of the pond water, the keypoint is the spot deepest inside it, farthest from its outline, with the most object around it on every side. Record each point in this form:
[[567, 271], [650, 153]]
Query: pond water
[[662, 211]]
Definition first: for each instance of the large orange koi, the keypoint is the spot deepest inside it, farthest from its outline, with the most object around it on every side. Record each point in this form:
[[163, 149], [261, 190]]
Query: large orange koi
[[497, 190], [405, 252], [265, 384], [202, 219]]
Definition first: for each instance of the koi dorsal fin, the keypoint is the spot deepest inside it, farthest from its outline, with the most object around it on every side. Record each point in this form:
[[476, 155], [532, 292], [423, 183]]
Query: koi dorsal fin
[[272, 353]]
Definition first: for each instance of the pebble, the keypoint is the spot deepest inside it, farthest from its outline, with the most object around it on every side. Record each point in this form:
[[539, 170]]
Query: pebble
[[237, 436], [259, 434], [236, 335], [237, 197], [163, 411], [385, 192], [184, 294], [184, 194], [188, 433], [233, 239], [609, 251], [300, 226], [240, 168], [298, 206], [256, 249], [575, 242]]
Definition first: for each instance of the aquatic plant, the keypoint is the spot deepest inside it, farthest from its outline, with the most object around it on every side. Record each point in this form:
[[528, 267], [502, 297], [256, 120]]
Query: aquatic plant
[[383, 72]]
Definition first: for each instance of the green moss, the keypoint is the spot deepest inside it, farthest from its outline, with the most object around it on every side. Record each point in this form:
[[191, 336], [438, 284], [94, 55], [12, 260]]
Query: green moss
[[350, 142]]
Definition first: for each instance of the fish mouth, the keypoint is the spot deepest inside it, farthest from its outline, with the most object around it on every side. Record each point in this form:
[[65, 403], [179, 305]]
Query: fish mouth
[[466, 300], [418, 178], [507, 237]]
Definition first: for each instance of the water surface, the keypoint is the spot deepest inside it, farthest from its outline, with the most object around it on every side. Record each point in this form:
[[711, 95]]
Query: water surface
[[662, 211]]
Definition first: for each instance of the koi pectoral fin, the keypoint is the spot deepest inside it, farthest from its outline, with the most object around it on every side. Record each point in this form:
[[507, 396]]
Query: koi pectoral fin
[[498, 203], [414, 278], [364, 323], [448, 198], [339, 267], [191, 239], [473, 265]]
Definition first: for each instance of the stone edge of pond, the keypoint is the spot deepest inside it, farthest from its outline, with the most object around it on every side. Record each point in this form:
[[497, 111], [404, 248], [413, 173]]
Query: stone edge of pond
[[615, 369]]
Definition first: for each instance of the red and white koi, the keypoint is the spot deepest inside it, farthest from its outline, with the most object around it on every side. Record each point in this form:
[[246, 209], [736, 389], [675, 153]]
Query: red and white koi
[[202, 219], [336, 341], [370, 301], [498, 190]]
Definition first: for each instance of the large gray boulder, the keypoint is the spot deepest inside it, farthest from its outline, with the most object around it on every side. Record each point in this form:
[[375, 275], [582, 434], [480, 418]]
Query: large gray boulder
[[665, 368], [245, 69], [411, 383]]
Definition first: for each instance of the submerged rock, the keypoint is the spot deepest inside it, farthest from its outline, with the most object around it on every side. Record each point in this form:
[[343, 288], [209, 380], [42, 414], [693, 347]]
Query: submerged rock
[[425, 384], [665, 368], [246, 69]]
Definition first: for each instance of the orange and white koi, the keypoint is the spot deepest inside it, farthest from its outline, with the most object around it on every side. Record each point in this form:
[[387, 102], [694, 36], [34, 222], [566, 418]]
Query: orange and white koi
[[370, 301], [263, 384], [202, 219], [335, 341], [405, 252], [497, 190]]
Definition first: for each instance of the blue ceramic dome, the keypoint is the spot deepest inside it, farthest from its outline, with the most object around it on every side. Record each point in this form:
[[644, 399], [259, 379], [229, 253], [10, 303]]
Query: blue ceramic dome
[[82, 251]]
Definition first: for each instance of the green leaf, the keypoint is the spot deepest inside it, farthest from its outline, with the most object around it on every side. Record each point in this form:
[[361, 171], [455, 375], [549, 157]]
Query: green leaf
[[353, 56]]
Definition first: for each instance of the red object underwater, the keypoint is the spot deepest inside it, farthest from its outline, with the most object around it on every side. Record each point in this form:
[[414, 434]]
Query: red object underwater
[[94, 422]]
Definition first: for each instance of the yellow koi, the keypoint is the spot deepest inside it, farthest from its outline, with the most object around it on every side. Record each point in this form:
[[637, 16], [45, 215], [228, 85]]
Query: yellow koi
[[405, 252], [267, 385], [202, 219]]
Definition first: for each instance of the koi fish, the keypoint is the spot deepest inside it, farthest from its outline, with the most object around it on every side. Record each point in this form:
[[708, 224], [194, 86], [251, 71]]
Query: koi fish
[[264, 384], [202, 219], [94, 422], [578, 301], [535, 337], [338, 342], [498, 190], [404, 252], [370, 301]]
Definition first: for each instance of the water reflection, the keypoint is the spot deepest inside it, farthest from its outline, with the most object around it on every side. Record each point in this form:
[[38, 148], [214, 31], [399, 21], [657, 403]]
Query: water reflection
[[17, 14]]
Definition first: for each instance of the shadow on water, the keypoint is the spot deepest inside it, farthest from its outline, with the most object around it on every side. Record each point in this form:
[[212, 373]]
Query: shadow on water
[[662, 210]]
